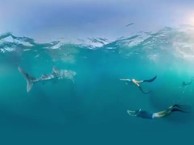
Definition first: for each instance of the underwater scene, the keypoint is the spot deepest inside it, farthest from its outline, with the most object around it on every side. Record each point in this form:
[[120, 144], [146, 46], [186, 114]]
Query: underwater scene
[[83, 92]]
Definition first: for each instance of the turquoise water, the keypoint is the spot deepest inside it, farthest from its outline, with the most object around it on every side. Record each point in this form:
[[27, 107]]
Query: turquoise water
[[92, 109]]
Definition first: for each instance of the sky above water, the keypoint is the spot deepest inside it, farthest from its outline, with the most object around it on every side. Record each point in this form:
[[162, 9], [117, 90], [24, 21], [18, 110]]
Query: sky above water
[[47, 20]]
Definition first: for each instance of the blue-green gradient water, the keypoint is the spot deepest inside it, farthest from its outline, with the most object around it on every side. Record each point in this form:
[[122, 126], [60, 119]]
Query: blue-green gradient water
[[92, 109]]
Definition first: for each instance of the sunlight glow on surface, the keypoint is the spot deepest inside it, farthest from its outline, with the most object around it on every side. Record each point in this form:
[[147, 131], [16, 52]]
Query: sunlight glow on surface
[[184, 47], [190, 19]]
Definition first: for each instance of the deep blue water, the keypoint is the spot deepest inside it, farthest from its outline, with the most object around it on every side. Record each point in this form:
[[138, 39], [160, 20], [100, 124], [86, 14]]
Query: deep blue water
[[92, 109]]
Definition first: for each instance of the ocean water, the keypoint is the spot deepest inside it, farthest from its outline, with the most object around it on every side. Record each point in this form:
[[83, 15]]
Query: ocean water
[[92, 108]]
